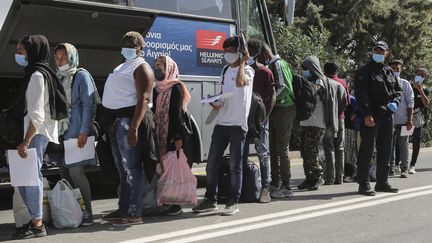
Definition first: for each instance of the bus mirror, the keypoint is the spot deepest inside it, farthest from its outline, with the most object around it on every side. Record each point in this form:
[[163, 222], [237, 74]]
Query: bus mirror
[[289, 6]]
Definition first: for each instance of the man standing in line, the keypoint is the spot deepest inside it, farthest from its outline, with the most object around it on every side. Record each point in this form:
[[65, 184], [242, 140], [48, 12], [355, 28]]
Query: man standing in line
[[402, 117], [334, 143], [231, 128], [378, 93], [281, 123]]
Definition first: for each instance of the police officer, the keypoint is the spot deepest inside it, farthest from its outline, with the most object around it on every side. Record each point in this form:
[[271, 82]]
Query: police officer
[[378, 93]]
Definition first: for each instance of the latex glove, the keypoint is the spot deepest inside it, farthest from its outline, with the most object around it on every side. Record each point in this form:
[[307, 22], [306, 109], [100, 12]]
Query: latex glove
[[392, 106]]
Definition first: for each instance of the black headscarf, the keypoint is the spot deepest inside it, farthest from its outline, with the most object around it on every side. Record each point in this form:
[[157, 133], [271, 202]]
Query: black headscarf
[[38, 53]]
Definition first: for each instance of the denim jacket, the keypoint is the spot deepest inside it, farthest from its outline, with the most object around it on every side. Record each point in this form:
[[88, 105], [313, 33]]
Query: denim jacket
[[82, 109]]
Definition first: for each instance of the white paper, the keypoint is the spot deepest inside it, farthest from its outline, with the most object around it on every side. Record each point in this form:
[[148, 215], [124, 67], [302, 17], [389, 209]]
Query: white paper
[[405, 132], [214, 98], [23, 172], [74, 154]]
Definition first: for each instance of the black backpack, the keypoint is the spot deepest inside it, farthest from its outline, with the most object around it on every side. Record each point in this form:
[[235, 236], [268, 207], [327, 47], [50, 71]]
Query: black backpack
[[257, 114], [305, 97], [251, 185]]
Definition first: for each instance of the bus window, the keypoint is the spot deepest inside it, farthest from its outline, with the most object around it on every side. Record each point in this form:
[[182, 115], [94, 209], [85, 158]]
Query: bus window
[[117, 2], [208, 8], [250, 19]]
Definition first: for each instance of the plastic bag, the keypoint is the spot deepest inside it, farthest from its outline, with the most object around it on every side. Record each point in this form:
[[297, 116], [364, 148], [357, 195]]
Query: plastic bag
[[177, 184], [66, 211], [20, 210]]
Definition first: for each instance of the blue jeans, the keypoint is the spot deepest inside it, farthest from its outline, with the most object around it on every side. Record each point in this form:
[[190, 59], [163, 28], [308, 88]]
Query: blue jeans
[[262, 148], [222, 136], [130, 168], [33, 195]]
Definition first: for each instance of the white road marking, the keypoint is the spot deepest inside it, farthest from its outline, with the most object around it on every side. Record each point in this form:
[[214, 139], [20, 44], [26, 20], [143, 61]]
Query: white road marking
[[242, 222], [299, 217]]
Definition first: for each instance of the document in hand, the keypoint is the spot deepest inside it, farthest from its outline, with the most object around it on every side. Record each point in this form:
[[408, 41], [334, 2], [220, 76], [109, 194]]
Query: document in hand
[[405, 132], [74, 154], [23, 172], [211, 99]]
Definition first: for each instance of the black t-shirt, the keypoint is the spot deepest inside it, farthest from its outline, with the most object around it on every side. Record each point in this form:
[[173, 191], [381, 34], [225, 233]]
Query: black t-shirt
[[417, 98]]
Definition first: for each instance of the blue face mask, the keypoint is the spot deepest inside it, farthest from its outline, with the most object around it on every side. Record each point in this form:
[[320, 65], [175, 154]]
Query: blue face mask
[[397, 74], [129, 53], [20, 59], [419, 79], [378, 58], [307, 74]]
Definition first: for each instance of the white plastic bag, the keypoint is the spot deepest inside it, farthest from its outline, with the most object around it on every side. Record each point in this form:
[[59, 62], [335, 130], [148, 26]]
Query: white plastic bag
[[20, 210], [66, 211]]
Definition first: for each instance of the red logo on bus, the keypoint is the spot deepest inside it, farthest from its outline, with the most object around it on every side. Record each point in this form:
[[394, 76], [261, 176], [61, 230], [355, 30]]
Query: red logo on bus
[[210, 39]]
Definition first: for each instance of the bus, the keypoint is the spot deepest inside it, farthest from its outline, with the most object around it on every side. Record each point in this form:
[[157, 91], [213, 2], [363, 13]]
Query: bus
[[190, 31]]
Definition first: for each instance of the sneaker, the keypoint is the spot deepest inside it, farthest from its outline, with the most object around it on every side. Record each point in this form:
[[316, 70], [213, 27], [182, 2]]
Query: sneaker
[[265, 196], [412, 170], [316, 185], [230, 209], [397, 170], [386, 188], [116, 215], [273, 188], [392, 170], [174, 210], [128, 221], [30, 231], [366, 190], [304, 185], [205, 207], [282, 192], [87, 220], [404, 174]]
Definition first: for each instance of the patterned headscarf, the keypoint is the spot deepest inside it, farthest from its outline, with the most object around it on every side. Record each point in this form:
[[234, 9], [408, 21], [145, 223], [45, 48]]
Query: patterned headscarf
[[164, 88], [66, 76]]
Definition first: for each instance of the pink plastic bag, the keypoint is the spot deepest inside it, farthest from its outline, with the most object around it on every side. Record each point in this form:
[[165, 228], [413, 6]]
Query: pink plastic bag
[[177, 184]]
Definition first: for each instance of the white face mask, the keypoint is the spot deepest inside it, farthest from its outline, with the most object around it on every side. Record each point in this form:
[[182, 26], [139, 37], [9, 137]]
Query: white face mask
[[64, 67], [231, 57], [397, 74], [419, 79]]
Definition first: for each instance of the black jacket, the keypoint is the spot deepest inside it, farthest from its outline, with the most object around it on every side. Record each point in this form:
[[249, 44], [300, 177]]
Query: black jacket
[[175, 111], [375, 87]]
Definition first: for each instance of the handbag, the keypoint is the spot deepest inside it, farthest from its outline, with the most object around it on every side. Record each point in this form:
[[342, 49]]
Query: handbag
[[186, 126], [418, 118], [65, 203]]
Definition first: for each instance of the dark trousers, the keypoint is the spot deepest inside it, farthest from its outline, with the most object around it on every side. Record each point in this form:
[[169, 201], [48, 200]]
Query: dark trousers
[[416, 141], [381, 136], [235, 137]]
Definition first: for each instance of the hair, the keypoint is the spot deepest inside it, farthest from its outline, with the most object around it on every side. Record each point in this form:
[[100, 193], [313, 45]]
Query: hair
[[231, 42], [255, 46], [331, 68], [135, 37], [422, 69], [60, 47]]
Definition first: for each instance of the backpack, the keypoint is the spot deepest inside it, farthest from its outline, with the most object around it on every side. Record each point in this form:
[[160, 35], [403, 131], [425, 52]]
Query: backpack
[[251, 186], [305, 97], [257, 114], [281, 70]]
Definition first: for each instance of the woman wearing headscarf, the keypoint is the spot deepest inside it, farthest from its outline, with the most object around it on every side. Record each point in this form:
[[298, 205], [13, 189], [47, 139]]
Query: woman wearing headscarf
[[38, 106], [81, 96], [170, 100]]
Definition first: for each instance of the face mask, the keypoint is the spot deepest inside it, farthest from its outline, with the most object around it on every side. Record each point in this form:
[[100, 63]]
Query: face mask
[[129, 53], [397, 74], [64, 67], [419, 79], [307, 74], [231, 57], [20, 59], [378, 58], [159, 75], [252, 60]]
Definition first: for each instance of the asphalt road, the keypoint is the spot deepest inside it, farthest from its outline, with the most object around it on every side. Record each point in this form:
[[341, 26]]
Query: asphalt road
[[332, 214]]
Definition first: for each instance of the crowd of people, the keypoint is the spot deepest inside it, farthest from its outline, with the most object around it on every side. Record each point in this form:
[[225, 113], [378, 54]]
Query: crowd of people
[[377, 105]]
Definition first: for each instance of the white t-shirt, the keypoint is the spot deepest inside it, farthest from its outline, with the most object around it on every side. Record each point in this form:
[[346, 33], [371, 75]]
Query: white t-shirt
[[235, 109], [120, 90]]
